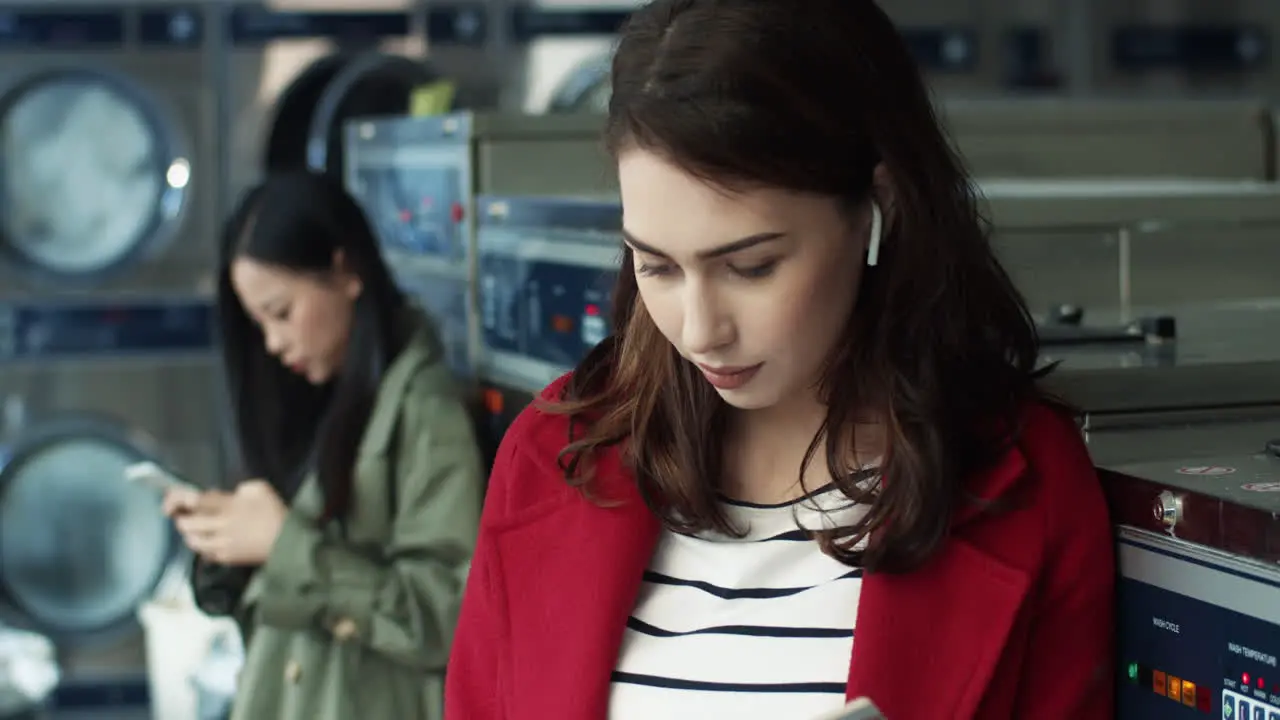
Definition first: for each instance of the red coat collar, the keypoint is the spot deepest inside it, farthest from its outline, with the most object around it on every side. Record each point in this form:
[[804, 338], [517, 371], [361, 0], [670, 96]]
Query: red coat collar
[[927, 643]]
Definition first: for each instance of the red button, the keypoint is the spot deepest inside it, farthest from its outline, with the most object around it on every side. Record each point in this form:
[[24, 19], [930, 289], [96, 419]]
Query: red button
[[456, 212], [1204, 700]]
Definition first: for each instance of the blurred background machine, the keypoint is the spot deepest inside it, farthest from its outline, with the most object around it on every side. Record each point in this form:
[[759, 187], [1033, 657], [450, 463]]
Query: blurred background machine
[[296, 70], [562, 50], [109, 149], [1101, 138], [1159, 299], [1109, 249], [466, 45], [108, 219], [1162, 48], [565, 48], [558, 154], [418, 179], [546, 268]]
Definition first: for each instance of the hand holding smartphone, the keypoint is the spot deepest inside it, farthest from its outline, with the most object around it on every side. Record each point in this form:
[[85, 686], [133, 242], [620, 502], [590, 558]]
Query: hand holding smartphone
[[157, 478], [859, 709]]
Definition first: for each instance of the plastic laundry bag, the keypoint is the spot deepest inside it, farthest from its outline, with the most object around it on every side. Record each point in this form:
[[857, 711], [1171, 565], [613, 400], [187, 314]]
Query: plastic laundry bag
[[28, 670], [215, 678], [193, 659]]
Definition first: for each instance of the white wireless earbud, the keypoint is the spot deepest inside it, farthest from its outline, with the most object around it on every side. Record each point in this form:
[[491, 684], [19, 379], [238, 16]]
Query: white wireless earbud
[[877, 229]]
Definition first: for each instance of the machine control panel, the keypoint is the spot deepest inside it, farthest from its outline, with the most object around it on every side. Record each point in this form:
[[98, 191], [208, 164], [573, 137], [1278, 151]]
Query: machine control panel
[[58, 330], [1199, 632], [415, 211], [411, 176], [545, 272]]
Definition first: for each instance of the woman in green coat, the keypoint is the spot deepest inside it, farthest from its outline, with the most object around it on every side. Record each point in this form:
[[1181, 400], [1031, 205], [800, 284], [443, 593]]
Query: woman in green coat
[[344, 557]]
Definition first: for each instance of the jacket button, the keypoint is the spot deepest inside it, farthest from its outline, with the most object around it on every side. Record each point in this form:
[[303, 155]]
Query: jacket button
[[345, 629], [292, 672]]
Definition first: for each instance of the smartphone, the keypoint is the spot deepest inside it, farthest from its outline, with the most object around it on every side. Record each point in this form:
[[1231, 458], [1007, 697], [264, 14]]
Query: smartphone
[[860, 709], [156, 477]]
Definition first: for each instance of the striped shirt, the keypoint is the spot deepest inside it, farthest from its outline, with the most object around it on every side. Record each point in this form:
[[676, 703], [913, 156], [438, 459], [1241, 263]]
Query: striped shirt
[[759, 627]]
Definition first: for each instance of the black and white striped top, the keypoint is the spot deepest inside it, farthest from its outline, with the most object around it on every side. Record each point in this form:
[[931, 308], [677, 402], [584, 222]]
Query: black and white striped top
[[742, 628]]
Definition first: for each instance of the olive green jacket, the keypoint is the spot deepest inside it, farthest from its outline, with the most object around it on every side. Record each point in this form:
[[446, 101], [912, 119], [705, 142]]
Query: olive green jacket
[[357, 624]]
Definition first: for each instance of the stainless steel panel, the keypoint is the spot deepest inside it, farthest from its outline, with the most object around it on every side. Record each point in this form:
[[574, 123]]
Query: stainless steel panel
[[1060, 137], [169, 401], [1142, 437], [1052, 267], [1225, 356]]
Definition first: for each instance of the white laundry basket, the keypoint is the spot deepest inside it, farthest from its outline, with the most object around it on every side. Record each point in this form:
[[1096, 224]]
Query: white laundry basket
[[183, 643]]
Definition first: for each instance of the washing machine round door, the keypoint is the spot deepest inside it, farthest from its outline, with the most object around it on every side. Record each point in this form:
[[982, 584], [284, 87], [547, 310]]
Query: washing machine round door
[[91, 175], [585, 90], [307, 131], [80, 547]]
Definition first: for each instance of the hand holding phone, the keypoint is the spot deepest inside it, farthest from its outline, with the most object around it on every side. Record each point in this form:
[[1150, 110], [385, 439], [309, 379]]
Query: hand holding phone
[[157, 478], [858, 709]]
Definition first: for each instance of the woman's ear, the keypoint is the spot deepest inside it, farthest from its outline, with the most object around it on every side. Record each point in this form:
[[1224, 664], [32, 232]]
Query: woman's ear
[[347, 280], [884, 189]]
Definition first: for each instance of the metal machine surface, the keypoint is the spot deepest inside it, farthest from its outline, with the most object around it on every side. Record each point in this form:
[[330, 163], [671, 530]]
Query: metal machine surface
[[108, 172], [509, 154], [1162, 305], [562, 51], [417, 180], [1213, 389], [487, 153], [1199, 588], [1126, 243], [1223, 139], [466, 44], [296, 70], [568, 44], [88, 387], [545, 272]]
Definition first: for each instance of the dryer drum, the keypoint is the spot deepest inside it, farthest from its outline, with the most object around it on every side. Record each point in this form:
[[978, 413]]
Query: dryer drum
[[80, 547], [308, 127], [76, 204]]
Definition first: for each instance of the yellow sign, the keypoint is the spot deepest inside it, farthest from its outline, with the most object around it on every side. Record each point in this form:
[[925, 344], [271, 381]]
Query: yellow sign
[[433, 99]]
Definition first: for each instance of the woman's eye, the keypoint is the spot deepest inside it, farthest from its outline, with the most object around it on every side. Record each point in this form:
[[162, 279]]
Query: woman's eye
[[756, 272], [650, 270]]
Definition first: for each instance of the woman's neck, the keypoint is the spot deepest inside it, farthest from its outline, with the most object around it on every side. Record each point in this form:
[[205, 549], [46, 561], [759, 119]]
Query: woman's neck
[[765, 449]]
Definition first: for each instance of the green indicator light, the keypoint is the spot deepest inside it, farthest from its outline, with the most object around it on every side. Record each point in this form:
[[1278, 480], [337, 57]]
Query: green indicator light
[[1133, 672]]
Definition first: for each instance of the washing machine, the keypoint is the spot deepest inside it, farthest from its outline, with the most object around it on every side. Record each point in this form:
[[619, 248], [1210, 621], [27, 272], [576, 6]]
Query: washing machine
[[468, 44], [88, 387], [108, 130], [1198, 592], [1168, 48], [545, 271], [568, 47], [296, 69], [563, 49]]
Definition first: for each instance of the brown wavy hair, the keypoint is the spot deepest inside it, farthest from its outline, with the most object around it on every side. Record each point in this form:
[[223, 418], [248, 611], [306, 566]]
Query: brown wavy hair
[[811, 96]]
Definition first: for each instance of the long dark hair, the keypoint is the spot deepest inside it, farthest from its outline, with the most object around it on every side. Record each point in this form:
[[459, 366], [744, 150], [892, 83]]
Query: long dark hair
[[286, 426], [811, 96]]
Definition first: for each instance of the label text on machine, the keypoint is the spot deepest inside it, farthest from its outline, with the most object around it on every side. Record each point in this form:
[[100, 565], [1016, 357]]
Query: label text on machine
[[1252, 654], [1166, 625]]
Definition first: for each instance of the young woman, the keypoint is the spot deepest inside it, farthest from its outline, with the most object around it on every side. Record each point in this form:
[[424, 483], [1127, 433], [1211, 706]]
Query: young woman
[[346, 556], [814, 461]]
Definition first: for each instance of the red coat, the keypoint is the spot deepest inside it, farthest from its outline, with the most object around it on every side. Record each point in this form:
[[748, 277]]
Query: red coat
[[1012, 619]]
